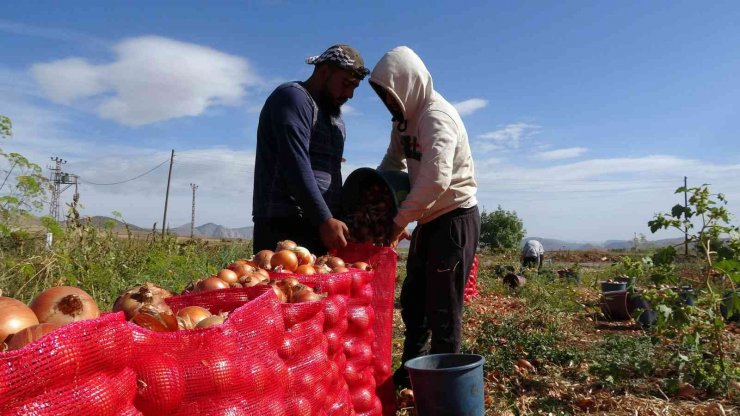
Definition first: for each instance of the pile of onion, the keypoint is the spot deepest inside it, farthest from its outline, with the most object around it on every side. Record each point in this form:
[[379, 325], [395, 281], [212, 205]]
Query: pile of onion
[[295, 292]]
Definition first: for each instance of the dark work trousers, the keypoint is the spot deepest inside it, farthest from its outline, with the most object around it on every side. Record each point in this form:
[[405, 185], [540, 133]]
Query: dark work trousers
[[268, 231], [532, 262], [439, 262]]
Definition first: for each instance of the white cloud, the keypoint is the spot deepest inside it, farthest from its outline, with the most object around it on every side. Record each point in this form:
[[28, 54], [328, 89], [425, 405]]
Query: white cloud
[[470, 106], [349, 110], [558, 154], [152, 79], [511, 134]]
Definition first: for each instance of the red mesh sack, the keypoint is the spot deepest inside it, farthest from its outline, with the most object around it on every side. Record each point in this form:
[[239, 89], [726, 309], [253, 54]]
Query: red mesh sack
[[233, 368], [471, 286], [337, 287], [82, 365], [381, 293]]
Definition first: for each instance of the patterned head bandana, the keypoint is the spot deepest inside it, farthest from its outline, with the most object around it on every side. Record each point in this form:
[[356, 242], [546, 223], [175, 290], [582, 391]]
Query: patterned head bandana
[[345, 57]]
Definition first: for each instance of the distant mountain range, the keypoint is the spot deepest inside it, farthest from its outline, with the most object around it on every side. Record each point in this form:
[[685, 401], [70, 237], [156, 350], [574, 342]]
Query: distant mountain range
[[211, 230], [552, 244]]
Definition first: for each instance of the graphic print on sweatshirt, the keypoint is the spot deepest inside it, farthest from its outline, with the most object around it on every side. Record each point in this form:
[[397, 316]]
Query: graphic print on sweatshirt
[[411, 147]]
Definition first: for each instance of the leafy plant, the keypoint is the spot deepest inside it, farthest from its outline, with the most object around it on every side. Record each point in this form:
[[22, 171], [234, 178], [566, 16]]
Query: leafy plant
[[700, 355], [22, 186], [501, 230], [621, 358]]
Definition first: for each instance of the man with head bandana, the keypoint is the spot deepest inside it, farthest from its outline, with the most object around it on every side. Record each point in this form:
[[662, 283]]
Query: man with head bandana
[[429, 140], [300, 142]]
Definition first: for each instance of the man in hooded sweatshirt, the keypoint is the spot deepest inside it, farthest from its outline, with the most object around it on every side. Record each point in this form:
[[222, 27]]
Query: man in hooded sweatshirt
[[429, 140]]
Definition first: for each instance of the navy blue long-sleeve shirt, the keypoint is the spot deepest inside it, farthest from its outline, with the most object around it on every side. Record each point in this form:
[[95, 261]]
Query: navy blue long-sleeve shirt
[[299, 155]]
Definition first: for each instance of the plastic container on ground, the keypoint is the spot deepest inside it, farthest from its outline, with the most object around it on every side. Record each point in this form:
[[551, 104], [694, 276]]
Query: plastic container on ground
[[447, 384]]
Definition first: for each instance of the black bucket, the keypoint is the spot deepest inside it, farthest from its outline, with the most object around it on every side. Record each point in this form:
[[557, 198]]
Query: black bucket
[[395, 181], [369, 216]]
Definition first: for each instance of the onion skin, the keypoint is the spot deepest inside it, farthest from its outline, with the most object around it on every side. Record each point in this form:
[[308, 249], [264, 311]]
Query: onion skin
[[29, 335], [15, 316], [62, 305]]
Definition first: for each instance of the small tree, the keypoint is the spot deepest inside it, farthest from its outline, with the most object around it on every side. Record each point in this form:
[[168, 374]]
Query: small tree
[[22, 186], [700, 328], [501, 230]]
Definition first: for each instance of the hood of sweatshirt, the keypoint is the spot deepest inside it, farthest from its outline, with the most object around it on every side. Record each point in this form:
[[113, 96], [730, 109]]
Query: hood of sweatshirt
[[405, 77]]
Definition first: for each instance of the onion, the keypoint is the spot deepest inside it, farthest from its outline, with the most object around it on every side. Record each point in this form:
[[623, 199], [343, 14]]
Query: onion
[[285, 258], [304, 294], [322, 269], [282, 297], [228, 276], [304, 256], [262, 259], [190, 316], [305, 269], [14, 317], [212, 283], [149, 322], [331, 261], [29, 335], [241, 268], [335, 262], [265, 274], [212, 320], [340, 269], [64, 304], [251, 279], [147, 296], [285, 245], [362, 266]]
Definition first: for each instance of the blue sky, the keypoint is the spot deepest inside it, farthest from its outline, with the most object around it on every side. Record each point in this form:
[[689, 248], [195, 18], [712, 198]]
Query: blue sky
[[583, 116]]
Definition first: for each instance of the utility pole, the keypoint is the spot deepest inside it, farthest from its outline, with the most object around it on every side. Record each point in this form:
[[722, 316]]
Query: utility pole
[[59, 178], [167, 194], [686, 227], [192, 218]]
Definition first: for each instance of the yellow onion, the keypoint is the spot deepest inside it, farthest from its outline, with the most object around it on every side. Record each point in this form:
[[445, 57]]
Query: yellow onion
[[15, 316], [29, 335], [64, 304], [190, 316]]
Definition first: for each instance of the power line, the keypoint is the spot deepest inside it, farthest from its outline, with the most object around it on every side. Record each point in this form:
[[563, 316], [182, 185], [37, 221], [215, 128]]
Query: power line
[[127, 180]]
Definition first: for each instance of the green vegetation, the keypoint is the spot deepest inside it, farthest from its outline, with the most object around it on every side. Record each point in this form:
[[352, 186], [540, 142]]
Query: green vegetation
[[501, 230], [105, 263]]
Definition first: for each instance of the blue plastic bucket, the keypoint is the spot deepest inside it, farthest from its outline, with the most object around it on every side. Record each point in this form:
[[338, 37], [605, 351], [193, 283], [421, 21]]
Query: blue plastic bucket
[[447, 384]]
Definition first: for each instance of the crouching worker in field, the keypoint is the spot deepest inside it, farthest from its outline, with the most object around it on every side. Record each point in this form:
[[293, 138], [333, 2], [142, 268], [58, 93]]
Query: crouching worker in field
[[428, 139], [532, 255], [300, 142]]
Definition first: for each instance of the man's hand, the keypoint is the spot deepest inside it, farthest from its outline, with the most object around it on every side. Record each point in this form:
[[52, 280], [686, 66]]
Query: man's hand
[[334, 234], [398, 234]]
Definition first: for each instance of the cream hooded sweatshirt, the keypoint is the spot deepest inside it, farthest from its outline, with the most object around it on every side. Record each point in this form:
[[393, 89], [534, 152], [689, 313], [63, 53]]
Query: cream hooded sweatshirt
[[434, 147]]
